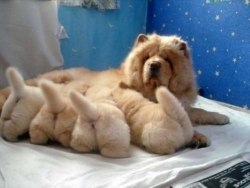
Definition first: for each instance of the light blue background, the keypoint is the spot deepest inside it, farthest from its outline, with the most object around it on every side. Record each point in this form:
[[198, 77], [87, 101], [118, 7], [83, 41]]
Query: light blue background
[[100, 40]]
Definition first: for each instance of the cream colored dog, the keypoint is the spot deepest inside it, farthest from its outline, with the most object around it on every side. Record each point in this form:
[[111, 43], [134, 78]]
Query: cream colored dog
[[101, 124], [162, 127], [21, 106], [56, 118]]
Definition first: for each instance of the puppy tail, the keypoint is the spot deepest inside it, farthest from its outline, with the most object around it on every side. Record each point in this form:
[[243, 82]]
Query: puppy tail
[[53, 98], [16, 81], [84, 106], [171, 105]]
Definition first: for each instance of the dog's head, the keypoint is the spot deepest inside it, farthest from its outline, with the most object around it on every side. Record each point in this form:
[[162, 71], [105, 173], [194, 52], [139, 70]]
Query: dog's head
[[160, 61]]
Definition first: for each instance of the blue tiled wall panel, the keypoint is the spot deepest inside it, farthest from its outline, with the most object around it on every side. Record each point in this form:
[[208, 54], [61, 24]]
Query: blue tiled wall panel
[[219, 35], [101, 39]]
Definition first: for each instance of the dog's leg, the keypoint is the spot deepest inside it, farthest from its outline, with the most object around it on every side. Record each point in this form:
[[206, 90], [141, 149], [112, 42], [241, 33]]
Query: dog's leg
[[37, 136], [11, 130], [65, 138], [79, 143], [200, 116], [42, 126], [3, 97], [83, 137], [115, 152], [113, 138], [199, 141]]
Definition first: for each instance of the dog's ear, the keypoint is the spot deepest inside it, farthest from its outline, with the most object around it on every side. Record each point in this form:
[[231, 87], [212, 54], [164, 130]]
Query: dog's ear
[[184, 47], [141, 38], [16, 81], [53, 99], [84, 106]]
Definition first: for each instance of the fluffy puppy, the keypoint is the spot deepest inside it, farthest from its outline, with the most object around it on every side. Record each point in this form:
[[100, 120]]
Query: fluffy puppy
[[166, 61], [21, 106], [162, 127], [101, 124], [56, 118]]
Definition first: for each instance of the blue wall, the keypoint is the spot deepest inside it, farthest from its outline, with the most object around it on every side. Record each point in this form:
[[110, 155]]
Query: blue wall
[[100, 40], [218, 32]]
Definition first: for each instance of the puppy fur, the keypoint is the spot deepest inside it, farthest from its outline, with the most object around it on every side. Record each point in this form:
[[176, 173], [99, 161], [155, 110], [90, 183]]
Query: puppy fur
[[21, 106], [56, 118], [101, 125], [162, 127]]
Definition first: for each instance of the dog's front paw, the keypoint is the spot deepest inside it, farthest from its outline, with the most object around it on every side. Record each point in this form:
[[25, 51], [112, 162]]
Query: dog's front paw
[[221, 119], [199, 141], [202, 117]]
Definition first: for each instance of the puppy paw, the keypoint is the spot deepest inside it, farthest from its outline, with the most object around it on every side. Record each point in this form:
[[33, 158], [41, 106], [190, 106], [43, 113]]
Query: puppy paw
[[80, 146], [199, 141], [221, 119], [65, 138], [9, 131], [115, 152], [38, 137]]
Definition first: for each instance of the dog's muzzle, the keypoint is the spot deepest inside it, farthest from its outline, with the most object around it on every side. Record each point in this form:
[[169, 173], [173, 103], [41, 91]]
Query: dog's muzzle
[[154, 68]]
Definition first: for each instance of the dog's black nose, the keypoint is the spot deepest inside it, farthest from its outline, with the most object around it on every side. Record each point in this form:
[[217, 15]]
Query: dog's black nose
[[154, 68]]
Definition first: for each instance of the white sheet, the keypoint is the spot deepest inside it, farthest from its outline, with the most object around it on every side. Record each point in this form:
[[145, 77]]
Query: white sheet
[[26, 165]]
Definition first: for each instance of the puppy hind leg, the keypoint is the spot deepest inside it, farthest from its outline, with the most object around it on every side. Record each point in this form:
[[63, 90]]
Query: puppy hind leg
[[64, 138], [37, 136], [11, 131], [199, 141], [157, 139], [83, 138], [113, 139], [78, 145], [114, 152], [41, 127]]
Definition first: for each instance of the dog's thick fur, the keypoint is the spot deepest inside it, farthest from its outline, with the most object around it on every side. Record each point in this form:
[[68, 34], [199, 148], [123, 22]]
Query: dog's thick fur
[[168, 56], [162, 127], [21, 106], [101, 125], [56, 118]]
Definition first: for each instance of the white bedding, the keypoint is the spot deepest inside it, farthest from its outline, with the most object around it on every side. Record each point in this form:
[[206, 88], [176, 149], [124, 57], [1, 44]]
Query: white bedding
[[26, 165]]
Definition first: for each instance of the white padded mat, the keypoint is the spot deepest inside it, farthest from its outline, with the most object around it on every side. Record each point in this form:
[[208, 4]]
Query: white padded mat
[[26, 165]]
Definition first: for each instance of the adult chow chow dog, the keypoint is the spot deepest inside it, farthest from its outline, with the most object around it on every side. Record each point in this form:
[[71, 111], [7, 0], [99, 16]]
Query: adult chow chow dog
[[166, 61], [153, 61]]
